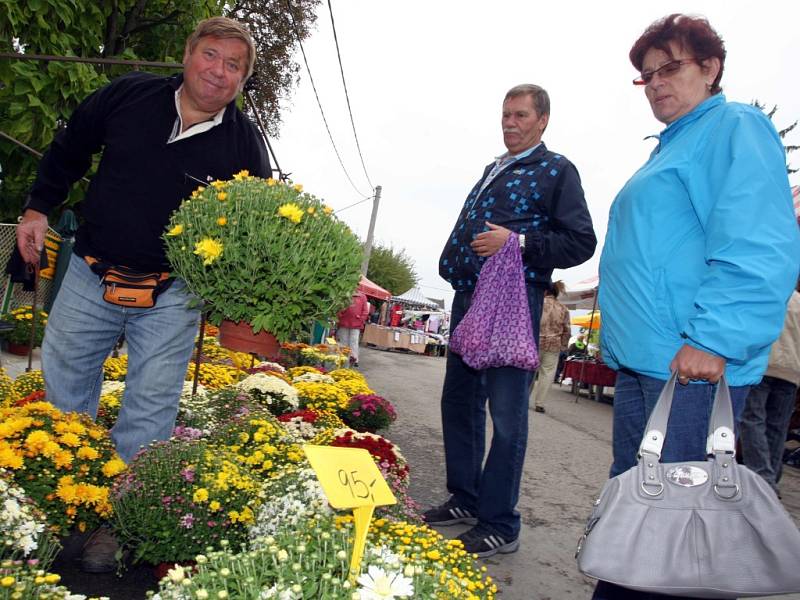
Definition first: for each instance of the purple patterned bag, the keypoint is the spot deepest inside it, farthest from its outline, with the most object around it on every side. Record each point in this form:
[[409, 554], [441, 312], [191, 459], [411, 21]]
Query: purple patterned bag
[[497, 331]]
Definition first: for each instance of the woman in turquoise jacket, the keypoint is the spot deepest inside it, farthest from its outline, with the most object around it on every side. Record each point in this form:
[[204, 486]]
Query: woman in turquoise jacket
[[702, 249]]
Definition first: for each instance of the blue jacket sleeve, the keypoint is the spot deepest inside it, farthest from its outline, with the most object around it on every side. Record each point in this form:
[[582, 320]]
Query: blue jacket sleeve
[[740, 190]]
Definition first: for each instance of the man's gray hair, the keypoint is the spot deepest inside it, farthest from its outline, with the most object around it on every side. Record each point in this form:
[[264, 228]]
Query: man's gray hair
[[541, 100]]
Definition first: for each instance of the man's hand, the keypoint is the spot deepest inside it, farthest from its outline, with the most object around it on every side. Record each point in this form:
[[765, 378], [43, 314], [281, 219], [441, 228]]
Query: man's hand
[[691, 363], [489, 242], [30, 236]]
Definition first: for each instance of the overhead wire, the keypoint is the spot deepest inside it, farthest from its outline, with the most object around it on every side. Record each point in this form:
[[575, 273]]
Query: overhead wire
[[354, 204], [347, 96], [319, 103]]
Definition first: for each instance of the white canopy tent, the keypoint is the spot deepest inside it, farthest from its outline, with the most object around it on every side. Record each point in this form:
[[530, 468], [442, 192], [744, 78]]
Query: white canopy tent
[[581, 295], [415, 297]]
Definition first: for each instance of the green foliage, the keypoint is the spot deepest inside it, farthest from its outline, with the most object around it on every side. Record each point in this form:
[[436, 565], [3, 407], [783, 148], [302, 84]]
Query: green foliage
[[781, 132], [392, 269], [37, 98], [265, 253]]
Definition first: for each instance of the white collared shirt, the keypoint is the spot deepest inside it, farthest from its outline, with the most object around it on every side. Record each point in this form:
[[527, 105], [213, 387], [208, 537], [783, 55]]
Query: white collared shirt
[[177, 129], [501, 162]]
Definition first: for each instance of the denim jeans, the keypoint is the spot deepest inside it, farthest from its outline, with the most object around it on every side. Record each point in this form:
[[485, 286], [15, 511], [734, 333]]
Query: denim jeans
[[635, 396], [765, 422], [490, 490], [81, 332]]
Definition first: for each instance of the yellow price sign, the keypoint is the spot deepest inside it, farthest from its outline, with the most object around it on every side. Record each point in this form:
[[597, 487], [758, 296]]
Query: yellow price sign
[[351, 479], [349, 476]]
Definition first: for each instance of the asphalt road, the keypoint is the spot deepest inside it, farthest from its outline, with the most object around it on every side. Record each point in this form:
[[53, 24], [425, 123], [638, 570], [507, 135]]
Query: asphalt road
[[566, 464]]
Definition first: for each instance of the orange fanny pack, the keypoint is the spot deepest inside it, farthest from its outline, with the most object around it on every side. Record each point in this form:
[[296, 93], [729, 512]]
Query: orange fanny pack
[[126, 287]]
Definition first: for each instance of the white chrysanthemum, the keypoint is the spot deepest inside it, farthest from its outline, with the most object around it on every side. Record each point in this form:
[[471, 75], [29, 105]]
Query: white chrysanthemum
[[377, 584], [314, 378], [270, 386], [112, 387], [186, 392], [19, 527]]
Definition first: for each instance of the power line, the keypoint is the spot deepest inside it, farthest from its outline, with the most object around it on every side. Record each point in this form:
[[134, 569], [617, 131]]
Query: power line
[[347, 96], [319, 103], [354, 204]]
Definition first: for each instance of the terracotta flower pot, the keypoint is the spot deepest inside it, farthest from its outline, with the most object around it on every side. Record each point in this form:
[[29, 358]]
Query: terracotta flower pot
[[18, 349], [240, 337]]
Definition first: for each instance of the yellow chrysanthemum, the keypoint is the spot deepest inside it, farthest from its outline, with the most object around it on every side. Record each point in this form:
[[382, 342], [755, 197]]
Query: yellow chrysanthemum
[[10, 459], [326, 209], [177, 230], [222, 196], [291, 211], [113, 467], [218, 185], [222, 221], [271, 182], [241, 175], [200, 495], [87, 453], [298, 188], [208, 249], [214, 506], [70, 439]]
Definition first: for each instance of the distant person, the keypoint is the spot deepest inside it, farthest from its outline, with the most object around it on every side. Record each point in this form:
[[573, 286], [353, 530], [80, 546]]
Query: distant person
[[156, 136], [701, 253], [351, 321], [554, 334], [537, 194], [770, 405]]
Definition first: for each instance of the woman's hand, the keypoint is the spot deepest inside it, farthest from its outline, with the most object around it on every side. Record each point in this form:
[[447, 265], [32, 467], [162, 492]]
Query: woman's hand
[[489, 242], [692, 363]]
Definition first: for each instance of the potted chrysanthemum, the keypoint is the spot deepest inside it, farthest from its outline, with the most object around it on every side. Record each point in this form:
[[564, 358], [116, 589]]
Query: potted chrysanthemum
[[263, 256]]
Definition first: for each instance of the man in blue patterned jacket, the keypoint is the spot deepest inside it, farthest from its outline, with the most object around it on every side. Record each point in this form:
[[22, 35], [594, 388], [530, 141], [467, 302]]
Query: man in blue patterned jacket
[[537, 194]]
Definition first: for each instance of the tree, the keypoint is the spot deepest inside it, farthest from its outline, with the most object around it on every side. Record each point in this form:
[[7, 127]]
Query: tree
[[392, 269], [781, 132], [36, 98]]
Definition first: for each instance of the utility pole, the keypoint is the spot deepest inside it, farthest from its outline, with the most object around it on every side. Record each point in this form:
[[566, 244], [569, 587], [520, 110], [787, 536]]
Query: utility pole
[[368, 244]]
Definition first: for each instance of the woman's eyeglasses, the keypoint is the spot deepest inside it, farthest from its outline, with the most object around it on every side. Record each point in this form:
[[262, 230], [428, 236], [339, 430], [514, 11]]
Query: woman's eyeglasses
[[666, 70]]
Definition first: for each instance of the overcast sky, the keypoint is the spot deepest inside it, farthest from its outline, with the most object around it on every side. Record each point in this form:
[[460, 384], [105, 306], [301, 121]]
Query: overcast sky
[[426, 82]]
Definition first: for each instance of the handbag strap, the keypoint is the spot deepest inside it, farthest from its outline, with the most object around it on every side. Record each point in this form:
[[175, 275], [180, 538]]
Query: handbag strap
[[720, 426]]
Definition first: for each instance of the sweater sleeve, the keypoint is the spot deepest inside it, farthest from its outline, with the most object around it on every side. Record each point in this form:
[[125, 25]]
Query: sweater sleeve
[[70, 154], [570, 238], [740, 191]]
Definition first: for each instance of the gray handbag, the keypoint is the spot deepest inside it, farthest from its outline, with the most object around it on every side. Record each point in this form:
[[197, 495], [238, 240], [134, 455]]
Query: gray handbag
[[710, 529]]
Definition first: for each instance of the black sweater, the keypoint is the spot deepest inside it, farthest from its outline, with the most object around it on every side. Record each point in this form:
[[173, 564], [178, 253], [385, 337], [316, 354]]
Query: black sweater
[[141, 179]]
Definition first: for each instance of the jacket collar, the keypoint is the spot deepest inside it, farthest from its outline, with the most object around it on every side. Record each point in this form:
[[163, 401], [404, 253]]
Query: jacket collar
[[701, 109]]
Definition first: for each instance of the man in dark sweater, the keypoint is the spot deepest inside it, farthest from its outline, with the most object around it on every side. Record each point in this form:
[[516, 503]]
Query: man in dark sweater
[[537, 194], [159, 138]]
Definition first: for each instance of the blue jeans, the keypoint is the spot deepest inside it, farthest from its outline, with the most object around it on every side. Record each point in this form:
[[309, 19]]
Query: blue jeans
[[764, 425], [81, 332], [490, 490], [635, 396]]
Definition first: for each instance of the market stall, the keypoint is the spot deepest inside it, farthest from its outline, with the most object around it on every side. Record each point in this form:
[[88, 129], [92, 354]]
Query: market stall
[[413, 322]]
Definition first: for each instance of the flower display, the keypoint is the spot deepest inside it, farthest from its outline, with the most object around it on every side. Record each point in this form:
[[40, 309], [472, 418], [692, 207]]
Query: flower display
[[271, 391], [7, 393], [310, 424], [386, 454], [347, 374], [23, 319], [115, 369], [21, 580], [273, 264], [23, 529], [313, 377], [354, 387], [180, 496], [368, 412], [28, 383], [322, 396], [258, 441], [64, 462], [215, 376]]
